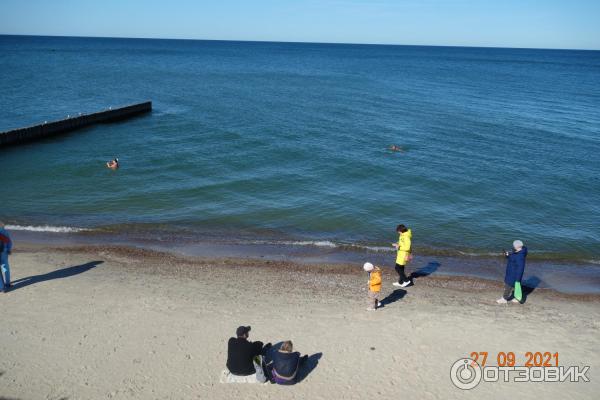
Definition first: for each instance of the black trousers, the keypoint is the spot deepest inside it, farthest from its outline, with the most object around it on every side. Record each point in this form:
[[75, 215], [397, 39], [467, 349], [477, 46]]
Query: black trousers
[[508, 292], [401, 275]]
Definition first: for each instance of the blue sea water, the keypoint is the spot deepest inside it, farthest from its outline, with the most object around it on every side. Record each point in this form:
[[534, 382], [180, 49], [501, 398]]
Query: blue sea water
[[288, 142]]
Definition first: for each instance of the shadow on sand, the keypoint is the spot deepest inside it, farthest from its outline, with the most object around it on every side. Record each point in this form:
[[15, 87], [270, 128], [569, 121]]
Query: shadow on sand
[[58, 274], [528, 286], [422, 272], [393, 297], [308, 366], [427, 270]]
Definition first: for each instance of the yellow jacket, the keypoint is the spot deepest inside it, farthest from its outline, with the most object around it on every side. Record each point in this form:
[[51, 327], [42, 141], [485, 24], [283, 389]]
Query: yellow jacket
[[375, 280], [404, 247]]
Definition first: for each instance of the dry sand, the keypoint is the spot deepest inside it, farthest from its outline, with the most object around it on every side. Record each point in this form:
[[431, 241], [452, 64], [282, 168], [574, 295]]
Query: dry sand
[[115, 323]]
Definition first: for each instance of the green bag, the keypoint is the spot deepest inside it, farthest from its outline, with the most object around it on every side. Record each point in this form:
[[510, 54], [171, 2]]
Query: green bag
[[518, 291]]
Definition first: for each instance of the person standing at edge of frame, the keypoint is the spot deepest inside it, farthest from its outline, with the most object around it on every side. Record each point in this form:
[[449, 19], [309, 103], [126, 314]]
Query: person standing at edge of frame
[[5, 249], [403, 256]]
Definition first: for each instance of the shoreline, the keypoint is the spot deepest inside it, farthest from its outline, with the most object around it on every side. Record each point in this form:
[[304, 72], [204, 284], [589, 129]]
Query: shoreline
[[567, 278], [432, 278], [156, 233]]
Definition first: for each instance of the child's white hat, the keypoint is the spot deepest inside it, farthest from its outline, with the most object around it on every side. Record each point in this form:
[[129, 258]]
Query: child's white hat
[[368, 267]]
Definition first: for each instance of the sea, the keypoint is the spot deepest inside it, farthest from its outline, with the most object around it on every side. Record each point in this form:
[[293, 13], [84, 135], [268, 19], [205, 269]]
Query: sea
[[281, 150]]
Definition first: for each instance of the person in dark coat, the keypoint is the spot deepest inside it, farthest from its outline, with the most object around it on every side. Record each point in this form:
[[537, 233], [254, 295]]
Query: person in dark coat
[[241, 354], [515, 266], [5, 250], [286, 363]]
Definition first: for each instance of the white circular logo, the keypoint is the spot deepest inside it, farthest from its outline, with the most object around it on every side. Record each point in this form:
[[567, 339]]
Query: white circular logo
[[465, 374]]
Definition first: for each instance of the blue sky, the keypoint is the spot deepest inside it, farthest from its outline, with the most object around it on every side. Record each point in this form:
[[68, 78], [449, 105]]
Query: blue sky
[[497, 23]]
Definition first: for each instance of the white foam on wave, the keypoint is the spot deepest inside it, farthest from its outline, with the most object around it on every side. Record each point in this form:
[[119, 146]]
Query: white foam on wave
[[317, 243], [45, 228], [473, 254], [377, 249], [323, 243]]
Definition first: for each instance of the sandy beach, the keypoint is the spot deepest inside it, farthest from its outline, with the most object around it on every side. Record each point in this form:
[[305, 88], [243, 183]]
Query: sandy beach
[[122, 323]]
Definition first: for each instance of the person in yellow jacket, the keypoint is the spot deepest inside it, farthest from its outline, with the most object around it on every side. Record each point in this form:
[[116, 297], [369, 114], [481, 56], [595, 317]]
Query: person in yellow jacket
[[404, 254], [374, 286]]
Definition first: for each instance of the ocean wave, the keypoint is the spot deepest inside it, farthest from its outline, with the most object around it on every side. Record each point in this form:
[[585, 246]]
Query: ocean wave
[[316, 243], [475, 254], [46, 228], [420, 251], [322, 243], [376, 249], [164, 233], [341, 246]]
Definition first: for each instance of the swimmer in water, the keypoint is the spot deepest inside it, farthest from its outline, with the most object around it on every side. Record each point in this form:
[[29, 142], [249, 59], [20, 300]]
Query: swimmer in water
[[113, 164], [396, 148]]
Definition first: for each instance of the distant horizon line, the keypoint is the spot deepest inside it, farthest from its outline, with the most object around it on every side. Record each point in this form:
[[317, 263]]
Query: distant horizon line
[[299, 42]]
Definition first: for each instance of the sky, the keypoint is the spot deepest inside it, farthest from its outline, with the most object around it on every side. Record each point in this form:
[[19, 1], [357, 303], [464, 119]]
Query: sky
[[559, 24]]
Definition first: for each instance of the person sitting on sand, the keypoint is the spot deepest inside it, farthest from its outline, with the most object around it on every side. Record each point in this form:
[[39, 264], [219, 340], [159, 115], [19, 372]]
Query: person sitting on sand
[[5, 250], [396, 148], [515, 266], [286, 363], [113, 164], [244, 362], [374, 286]]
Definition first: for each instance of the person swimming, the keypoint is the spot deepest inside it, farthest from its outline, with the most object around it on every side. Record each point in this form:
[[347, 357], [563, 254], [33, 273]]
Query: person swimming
[[113, 164], [396, 148]]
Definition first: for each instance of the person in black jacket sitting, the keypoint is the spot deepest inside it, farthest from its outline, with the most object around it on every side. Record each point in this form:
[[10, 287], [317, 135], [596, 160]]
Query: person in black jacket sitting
[[243, 355], [286, 364]]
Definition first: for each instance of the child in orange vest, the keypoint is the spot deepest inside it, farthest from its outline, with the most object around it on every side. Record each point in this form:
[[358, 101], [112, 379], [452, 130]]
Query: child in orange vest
[[374, 286]]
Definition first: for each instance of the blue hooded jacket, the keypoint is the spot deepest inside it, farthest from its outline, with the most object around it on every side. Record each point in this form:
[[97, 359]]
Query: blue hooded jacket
[[285, 366], [515, 266]]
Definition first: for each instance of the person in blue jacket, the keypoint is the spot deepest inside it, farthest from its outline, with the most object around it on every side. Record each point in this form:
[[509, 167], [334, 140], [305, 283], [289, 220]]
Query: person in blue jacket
[[286, 363], [515, 266], [5, 249]]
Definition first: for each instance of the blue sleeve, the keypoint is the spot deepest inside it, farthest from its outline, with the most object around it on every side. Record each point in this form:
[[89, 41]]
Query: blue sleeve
[[508, 261], [519, 268]]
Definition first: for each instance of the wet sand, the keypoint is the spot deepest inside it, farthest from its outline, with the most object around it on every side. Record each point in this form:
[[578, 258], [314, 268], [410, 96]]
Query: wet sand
[[567, 277], [116, 322]]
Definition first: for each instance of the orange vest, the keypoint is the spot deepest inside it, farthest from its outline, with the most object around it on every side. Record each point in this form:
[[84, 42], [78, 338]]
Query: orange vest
[[375, 280]]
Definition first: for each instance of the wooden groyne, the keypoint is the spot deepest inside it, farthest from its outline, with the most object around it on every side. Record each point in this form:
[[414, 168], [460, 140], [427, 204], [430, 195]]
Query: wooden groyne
[[69, 124]]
